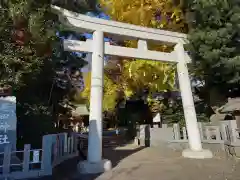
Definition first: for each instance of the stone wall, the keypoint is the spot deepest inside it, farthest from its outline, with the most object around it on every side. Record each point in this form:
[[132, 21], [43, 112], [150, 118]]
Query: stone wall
[[222, 140]]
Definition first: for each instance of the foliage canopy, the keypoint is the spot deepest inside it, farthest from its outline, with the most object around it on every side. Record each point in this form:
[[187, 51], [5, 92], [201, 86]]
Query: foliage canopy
[[33, 63], [215, 44], [135, 76]]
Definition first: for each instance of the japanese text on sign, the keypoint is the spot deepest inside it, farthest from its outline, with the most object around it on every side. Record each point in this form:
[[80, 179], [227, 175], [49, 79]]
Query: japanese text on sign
[[4, 126], [4, 116], [4, 139], [36, 158]]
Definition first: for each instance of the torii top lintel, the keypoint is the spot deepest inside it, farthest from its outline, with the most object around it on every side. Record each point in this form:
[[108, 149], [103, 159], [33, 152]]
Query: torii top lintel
[[83, 23]]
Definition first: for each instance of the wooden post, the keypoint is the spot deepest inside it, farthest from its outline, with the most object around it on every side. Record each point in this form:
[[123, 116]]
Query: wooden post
[[26, 157]]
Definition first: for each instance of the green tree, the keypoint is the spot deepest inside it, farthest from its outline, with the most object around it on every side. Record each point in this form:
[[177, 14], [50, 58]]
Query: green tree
[[26, 39], [215, 46], [31, 62], [25, 43]]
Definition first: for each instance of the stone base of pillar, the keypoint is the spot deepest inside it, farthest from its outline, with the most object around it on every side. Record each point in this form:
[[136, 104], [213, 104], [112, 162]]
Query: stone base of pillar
[[86, 167], [203, 154]]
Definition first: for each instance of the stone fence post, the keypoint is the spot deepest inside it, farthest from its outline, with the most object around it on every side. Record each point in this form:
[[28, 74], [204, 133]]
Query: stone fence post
[[46, 165]]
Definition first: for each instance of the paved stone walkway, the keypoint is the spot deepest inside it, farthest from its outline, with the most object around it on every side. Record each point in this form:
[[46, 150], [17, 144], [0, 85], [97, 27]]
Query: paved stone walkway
[[134, 163], [157, 164]]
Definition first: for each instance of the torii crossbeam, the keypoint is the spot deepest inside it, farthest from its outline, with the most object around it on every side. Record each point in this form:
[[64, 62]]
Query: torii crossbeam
[[97, 46]]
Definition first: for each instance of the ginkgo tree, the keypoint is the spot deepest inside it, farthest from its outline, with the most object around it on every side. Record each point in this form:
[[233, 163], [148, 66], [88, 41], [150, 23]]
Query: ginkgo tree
[[139, 74], [135, 75], [161, 14], [110, 92], [143, 74]]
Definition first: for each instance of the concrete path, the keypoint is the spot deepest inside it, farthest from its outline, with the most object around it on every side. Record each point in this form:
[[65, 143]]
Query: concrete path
[[64, 171], [134, 163], [163, 164]]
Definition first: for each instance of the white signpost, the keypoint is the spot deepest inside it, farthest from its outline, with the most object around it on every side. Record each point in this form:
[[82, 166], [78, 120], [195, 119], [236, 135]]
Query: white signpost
[[36, 156]]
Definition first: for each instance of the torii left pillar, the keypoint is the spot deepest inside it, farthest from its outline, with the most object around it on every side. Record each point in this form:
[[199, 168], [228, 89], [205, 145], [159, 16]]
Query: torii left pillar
[[94, 163]]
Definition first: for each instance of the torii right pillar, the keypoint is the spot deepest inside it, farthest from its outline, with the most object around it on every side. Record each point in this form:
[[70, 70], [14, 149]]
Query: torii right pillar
[[195, 146]]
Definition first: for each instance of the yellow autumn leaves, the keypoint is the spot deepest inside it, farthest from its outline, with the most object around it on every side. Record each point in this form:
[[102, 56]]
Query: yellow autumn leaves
[[139, 74], [135, 77], [160, 14], [109, 92]]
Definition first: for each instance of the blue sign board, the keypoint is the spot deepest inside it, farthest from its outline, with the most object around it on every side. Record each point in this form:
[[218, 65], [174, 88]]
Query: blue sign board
[[8, 122]]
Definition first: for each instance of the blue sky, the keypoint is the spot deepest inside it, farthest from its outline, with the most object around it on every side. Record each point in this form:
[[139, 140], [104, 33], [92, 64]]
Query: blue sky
[[89, 36], [101, 16]]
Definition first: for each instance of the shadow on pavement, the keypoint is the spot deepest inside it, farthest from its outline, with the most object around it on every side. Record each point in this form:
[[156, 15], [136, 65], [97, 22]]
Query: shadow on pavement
[[64, 171], [115, 155], [68, 169]]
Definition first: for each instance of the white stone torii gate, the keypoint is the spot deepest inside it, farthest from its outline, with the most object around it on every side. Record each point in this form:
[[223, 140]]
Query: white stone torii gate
[[99, 48]]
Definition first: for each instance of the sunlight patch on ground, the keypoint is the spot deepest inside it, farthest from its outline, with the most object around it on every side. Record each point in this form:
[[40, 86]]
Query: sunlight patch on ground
[[127, 147]]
